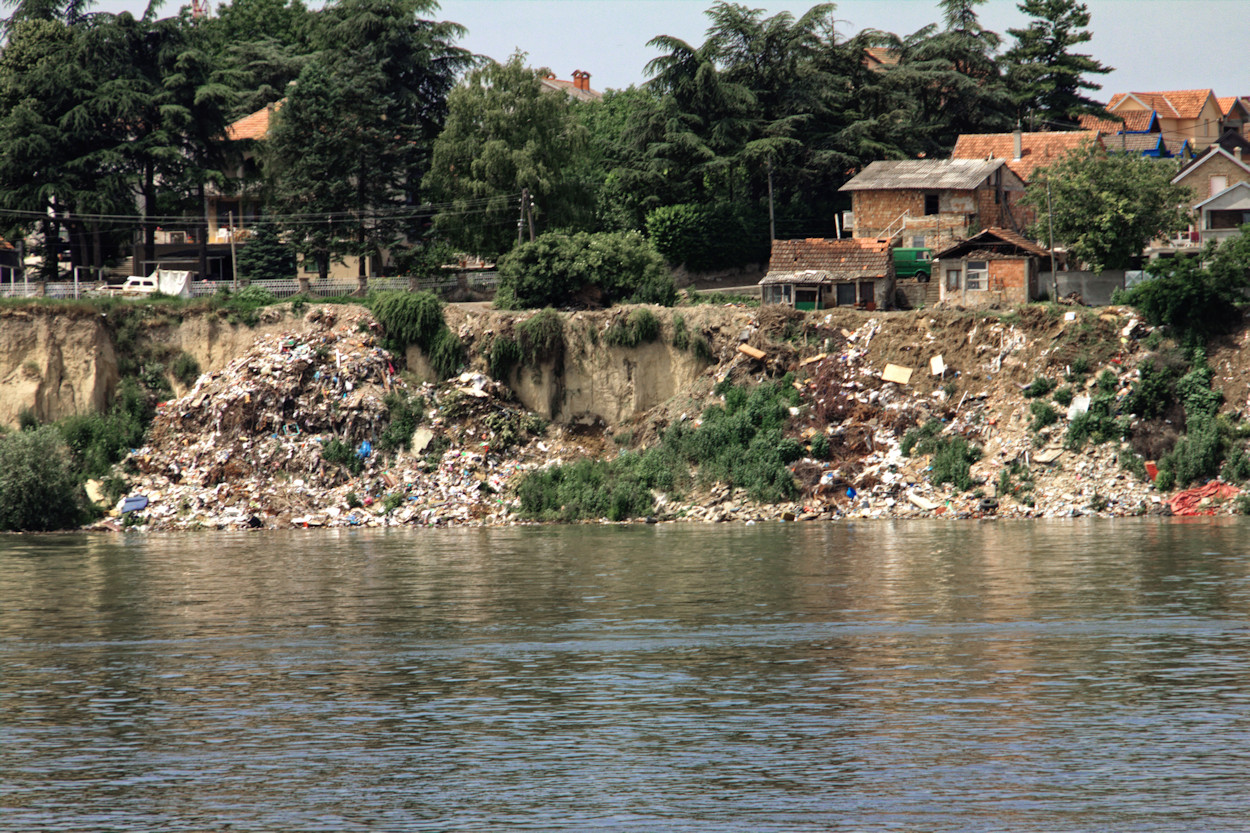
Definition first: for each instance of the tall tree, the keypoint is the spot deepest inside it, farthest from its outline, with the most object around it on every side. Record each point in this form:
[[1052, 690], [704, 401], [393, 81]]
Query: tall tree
[[1105, 207], [1046, 78], [377, 94], [506, 134]]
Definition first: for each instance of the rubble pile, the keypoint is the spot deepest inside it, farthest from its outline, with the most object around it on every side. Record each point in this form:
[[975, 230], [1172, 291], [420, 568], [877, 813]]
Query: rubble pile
[[302, 429], [261, 443]]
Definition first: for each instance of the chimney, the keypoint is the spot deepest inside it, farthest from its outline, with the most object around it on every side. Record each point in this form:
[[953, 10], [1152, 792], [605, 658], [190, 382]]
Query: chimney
[[581, 80], [1237, 153], [1017, 143]]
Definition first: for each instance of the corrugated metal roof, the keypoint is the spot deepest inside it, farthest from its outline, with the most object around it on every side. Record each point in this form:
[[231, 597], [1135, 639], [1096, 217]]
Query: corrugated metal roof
[[932, 174]]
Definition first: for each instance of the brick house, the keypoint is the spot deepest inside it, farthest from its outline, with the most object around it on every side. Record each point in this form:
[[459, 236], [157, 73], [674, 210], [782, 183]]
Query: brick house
[[818, 273], [996, 267], [934, 202], [1209, 175]]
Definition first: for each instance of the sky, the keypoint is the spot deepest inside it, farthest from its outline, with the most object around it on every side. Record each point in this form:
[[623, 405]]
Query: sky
[[1152, 44]]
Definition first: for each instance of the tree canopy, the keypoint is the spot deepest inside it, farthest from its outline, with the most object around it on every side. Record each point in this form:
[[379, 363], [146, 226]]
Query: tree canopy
[[1047, 79], [1106, 207]]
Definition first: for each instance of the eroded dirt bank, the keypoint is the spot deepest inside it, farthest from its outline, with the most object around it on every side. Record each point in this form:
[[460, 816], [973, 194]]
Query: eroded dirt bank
[[293, 420]]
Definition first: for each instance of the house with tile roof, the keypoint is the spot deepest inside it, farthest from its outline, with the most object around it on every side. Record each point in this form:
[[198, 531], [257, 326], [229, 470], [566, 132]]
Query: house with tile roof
[[931, 203], [1209, 177], [1023, 152], [818, 273], [1184, 115], [1236, 113], [578, 89], [994, 267]]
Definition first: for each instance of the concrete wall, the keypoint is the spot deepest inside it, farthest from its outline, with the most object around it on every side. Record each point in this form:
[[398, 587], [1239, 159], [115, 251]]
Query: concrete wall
[[1095, 288]]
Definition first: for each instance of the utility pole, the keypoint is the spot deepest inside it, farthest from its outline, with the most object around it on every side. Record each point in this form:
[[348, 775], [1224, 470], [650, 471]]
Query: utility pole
[[529, 212], [520, 220], [1050, 236], [234, 260]]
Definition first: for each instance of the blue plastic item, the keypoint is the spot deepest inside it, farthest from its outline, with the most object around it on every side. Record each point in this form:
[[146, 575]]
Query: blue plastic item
[[134, 503]]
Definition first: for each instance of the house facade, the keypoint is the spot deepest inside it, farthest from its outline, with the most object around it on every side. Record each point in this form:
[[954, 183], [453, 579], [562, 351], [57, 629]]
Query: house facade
[[1208, 177], [996, 267], [1192, 116], [933, 202], [818, 273]]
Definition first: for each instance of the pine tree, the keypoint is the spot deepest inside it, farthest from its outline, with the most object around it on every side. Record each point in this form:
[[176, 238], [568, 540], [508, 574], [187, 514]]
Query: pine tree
[[1045, 77]]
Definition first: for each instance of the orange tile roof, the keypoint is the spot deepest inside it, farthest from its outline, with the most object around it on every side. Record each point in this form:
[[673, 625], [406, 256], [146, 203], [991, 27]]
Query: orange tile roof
[[843, 259], [1135, 121], [254, 126], [1175, 104], [1038, 149], [881, 55], [1228, 102]]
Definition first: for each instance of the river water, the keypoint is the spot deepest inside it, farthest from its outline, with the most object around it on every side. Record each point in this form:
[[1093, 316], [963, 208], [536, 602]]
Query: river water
[[1025, 676]]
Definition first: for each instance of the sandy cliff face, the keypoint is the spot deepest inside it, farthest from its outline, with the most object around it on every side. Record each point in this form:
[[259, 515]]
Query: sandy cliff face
[[56, 365]]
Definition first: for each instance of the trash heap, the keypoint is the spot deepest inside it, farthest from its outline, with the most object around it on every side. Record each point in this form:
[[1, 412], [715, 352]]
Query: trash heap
[[288, 435]]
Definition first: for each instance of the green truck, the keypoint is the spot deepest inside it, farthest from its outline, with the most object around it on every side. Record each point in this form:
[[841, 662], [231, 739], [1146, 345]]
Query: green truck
[[913, 263]]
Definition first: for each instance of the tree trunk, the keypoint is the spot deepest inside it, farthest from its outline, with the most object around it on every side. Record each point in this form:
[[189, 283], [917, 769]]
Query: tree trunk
[[202, 234]]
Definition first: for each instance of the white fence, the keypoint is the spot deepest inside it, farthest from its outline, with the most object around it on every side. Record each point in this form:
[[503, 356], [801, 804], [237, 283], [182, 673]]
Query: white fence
[[479, 281]]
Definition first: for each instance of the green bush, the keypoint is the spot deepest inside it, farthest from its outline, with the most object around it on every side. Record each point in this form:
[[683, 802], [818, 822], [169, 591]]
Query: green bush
[[556, 268], [1098, 424], [920, 439], [339, 453], [640, 326], [405, 412], [185, 368], [38, 490], [739, 444], [1197, 455], [1063, 396], [447, 354], [952, 462], [505, 354], [681, 336], [703, 238], [1040, 386], [1043, 415], [541, 337], [409, 318]]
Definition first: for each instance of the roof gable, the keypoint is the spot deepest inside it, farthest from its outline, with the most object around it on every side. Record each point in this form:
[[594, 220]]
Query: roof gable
[[841, 258], [255, 126], [1176, 104], [1235, 196], [1206, 156], [1135, 121], [1038, 149], [999, 239], [925, 174]]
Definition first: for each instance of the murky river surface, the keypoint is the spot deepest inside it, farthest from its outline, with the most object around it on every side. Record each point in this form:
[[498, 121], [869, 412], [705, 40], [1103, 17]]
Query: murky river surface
[[883, 676]]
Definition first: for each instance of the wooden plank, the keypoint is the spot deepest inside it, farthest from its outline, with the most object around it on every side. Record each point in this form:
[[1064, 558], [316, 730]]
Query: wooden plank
[[748, 350]]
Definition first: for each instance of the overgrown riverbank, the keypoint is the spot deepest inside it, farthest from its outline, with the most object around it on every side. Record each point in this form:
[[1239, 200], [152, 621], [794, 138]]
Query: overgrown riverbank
[[640, 412]]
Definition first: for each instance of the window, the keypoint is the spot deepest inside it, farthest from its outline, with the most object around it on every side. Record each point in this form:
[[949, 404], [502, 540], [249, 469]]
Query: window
[[917, 242], [1218, 184], [977, 275], [930, 204], [846, 295], [952, 280]]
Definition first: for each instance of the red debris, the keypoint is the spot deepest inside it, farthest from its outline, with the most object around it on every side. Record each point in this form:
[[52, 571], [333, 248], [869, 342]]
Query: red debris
[[1196, 501]]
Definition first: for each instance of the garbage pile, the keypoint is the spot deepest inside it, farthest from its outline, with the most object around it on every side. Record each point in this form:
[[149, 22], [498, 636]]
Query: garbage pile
[[288, 435]]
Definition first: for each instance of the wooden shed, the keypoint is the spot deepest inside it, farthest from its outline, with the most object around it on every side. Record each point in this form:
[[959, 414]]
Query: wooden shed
[[994, 267]]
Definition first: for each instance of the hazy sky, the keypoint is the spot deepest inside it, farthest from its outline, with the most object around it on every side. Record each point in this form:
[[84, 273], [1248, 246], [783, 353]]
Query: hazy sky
[[1152, 44]]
